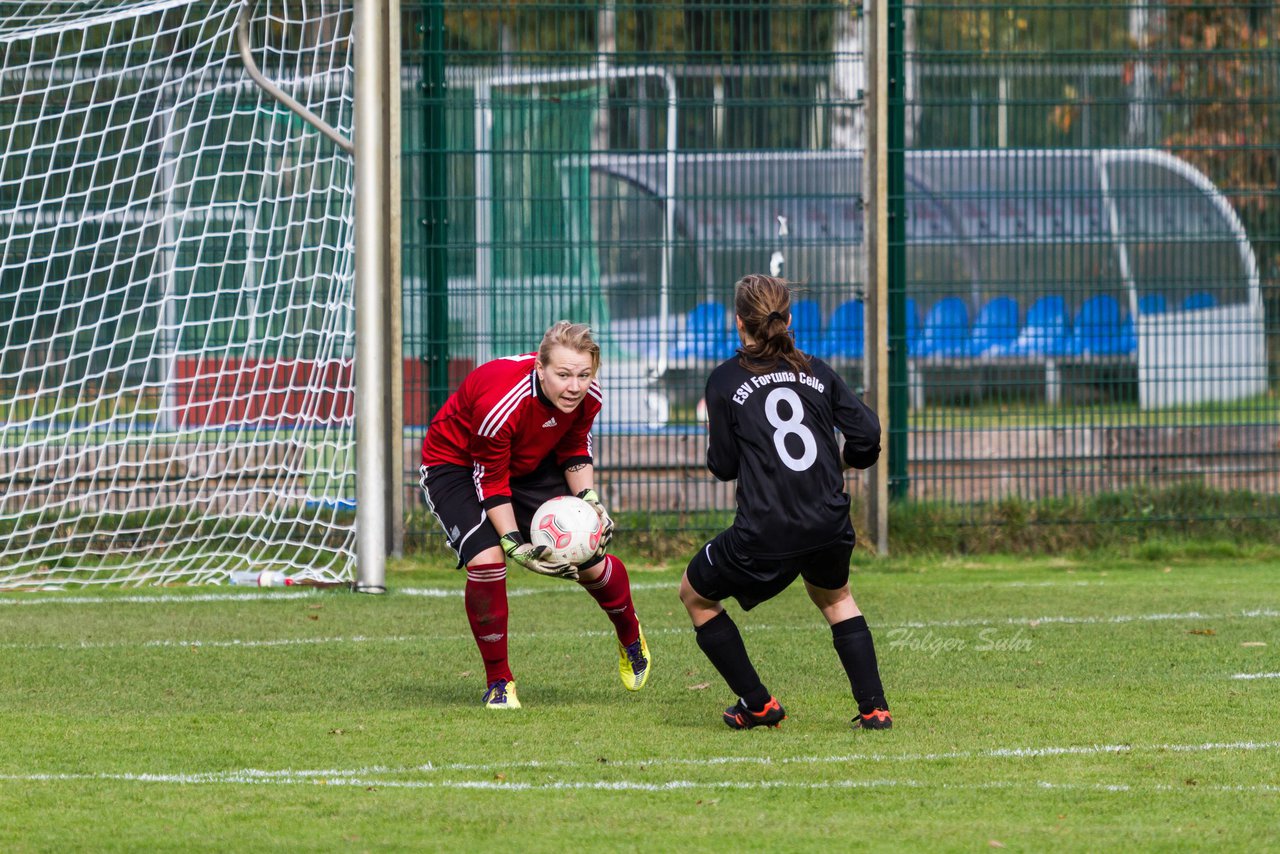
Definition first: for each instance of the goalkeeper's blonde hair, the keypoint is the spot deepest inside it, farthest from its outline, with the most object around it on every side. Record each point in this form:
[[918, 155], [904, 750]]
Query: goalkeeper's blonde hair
[[571, 336]]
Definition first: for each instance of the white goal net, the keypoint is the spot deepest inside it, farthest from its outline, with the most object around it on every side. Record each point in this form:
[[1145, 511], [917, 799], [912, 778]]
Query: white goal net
[[176, 288]]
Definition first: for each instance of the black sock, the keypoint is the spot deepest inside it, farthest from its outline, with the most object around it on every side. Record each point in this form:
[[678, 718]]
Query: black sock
[[719, 640], [852, 640]]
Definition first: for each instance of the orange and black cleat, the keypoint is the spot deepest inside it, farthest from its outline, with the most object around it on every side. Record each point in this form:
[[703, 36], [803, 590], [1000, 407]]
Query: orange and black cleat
[[874, 719], [738, 716]]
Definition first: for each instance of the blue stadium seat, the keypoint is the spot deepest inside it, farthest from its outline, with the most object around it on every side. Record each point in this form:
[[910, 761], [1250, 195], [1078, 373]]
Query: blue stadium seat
[[1198, 300], [946, 329], [1046, 331], [806, 323], [1147, 304], [1099, 329], [913, 326], [1152, 304], [996, 326], [708, 333], [846, 332]]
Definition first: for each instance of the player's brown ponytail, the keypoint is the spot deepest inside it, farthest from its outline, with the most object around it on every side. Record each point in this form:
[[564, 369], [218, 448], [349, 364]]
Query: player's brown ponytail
[[764, 305]]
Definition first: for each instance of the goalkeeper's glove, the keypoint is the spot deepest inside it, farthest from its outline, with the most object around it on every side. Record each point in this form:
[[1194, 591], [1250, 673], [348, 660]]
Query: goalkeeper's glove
[[606, 524], [533, 558]]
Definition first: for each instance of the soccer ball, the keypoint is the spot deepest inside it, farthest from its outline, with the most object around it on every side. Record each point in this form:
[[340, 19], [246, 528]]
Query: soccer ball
[[569, 527]]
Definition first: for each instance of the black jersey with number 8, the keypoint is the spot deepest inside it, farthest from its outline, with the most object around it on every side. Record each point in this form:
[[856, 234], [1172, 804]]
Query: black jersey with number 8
[[775, 433]]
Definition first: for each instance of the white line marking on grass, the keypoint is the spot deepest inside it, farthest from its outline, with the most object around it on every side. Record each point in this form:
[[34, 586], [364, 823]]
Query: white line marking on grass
[[452, 592], [225, 644], [598, 633], [995, 753], [163, 598], [333, 774], [274, 595], [281, 642], [456, 592], [1087, 620], [382, 776], [439, 593], [1028, 583], [652, 632], [354, 776], [1256, 676], [10, 597], [254, 778], [296, 595]]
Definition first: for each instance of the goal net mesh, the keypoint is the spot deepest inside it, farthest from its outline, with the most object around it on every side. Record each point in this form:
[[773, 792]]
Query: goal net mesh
[[176, 294]]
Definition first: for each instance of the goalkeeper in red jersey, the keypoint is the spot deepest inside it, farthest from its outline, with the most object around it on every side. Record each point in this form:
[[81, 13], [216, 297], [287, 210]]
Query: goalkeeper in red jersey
[[772, 414], [516, 433]]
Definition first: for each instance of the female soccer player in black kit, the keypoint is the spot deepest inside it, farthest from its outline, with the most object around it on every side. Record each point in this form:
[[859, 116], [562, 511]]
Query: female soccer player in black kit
[[773, 411]]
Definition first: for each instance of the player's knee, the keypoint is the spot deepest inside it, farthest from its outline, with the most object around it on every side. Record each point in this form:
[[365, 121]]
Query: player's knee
[[592, 569], [690, 597], [685, 591], [824, 598], [489, 557]]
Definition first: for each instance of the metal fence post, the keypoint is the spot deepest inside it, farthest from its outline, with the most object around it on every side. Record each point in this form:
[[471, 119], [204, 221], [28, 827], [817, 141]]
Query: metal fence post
[[436, 218], [875, 233], [896, 154]]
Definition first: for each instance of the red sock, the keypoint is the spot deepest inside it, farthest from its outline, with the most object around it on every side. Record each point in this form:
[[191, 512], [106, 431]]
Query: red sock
[[486, 601], [613, 591]]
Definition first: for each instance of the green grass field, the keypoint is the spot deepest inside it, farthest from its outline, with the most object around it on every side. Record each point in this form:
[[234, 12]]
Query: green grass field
[[1039, 705]]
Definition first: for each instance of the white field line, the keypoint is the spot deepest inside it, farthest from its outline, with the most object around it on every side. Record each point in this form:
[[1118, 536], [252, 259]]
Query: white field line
[[1088, 619], [946, 756], [445, 592], [1256, 676], [295, 595], [160, 598], [59, 598], [392, 777], [380, 776], [233, 643], [1032, 622], [239, 643], [456, 593], [274, 595], [629, 785]]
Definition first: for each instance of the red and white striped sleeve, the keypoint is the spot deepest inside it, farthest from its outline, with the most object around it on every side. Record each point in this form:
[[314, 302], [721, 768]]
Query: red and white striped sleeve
[[495, 426]]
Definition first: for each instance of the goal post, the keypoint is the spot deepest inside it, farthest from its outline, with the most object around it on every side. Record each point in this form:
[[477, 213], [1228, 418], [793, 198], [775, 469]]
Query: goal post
[[379, 408], [180, 361]]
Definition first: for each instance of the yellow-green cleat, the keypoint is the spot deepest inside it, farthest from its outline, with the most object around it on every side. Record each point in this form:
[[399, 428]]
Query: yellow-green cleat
[[501, 695], [634, 663]]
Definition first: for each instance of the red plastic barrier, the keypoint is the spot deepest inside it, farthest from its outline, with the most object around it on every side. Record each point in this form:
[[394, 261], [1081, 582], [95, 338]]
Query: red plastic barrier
[[288, 392]]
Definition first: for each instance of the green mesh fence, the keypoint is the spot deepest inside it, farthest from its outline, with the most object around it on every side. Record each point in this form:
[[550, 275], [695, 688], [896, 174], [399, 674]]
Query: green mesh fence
[[543, 257], [1111, 325], [1085, 266]]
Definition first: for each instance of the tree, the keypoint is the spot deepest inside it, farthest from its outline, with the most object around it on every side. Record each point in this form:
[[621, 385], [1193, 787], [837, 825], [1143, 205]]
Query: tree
[[1219, 66], [1216, 73], [849, 79]]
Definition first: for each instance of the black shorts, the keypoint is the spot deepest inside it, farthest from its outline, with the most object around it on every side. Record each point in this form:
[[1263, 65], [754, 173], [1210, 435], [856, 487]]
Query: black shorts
[[450, 491], [719, 570]]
